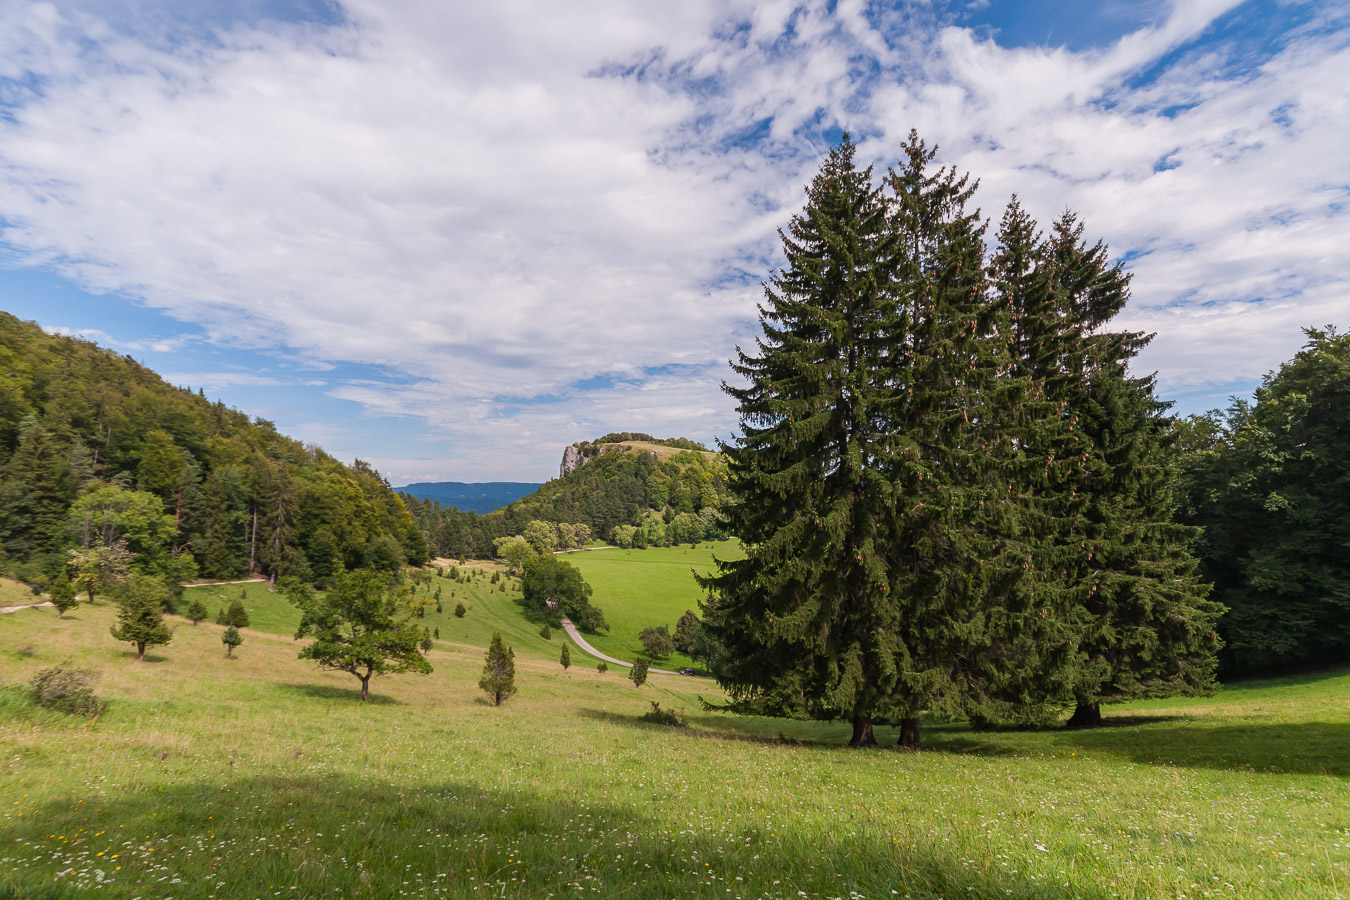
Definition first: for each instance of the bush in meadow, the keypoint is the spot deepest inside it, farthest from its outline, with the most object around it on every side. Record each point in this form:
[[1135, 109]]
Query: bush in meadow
[[67, 690], [231, 639]]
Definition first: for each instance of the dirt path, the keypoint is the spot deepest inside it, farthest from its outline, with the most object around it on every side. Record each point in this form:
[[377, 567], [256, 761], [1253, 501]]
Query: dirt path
[[223, 583], [581, 642], [13, 609]]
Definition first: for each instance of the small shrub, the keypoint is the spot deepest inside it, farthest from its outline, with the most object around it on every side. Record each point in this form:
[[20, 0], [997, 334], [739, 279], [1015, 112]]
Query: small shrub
[[460, 610], [546, 633], [661, 716], [196, 610], [67, 690], [566, 659], [62, 595], [236, 615], [639, 672], [231, 639], [499, 671], [603, 667], [438, 632]]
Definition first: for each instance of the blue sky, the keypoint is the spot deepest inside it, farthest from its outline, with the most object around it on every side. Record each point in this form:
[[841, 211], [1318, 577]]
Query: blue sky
[[452, 238]]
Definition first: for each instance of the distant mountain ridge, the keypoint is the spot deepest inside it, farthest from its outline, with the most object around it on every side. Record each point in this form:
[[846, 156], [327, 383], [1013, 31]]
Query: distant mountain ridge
[[481, 497]]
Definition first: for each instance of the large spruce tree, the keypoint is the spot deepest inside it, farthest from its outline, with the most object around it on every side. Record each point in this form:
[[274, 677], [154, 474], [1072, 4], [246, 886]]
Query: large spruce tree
[[972, 607], [1117, 568], [953, 496], [806, 618]]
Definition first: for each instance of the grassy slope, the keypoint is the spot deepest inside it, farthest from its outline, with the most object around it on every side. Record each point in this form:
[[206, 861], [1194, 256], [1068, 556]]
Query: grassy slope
[[640, 588], [489, 609], [262, 776], [660, 450], [14, 593]]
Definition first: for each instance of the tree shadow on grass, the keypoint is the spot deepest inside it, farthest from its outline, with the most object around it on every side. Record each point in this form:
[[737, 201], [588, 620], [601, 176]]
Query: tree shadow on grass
[[150, 658], [337, 835], [330, 692], [1301, 748], [747, 729]]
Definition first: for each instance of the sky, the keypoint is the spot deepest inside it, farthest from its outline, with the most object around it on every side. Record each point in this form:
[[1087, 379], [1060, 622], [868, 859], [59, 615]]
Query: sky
[[452, 238]]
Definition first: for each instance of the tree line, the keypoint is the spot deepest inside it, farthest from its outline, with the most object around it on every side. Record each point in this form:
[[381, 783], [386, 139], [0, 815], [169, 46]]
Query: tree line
[[1268, 483]]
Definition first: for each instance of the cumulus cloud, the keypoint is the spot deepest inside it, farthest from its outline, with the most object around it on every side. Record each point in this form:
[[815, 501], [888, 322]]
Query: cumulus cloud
[[551, 221]]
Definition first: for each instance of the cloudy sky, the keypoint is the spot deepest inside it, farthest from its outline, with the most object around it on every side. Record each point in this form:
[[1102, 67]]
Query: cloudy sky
[[451, 238]]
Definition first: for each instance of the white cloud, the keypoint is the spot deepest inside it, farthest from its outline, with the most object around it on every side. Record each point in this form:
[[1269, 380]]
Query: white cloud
[[500, 201], [219, 380]]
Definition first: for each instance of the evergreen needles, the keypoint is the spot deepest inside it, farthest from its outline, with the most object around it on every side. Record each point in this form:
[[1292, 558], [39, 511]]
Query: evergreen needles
[[950, 492], [499, 671]]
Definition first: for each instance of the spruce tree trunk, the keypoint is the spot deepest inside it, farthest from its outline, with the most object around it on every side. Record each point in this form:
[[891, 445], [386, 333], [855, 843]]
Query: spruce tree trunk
[[140, 652], [862, 732], [1086, 715], [909, 734], [229, 651]]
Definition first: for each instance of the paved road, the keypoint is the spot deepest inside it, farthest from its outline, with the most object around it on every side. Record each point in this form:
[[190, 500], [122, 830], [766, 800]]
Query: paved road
[[581, 642]]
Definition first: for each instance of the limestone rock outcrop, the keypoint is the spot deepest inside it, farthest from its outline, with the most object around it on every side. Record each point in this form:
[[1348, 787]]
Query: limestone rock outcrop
[[571, 459]]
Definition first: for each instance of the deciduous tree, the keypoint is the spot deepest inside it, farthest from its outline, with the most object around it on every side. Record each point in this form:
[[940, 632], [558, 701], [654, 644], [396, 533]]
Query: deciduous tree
[[361, 626]]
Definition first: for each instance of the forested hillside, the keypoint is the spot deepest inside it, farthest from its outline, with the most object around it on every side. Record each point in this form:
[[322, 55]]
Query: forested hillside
[[664, 488], [98, 451]]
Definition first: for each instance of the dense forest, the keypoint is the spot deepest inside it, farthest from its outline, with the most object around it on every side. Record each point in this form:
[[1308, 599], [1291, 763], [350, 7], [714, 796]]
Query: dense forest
[[614, 485], [1268, 484], [98, 452]]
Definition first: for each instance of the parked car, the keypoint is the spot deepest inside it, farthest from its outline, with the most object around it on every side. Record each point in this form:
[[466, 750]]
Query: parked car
[[686, 671]]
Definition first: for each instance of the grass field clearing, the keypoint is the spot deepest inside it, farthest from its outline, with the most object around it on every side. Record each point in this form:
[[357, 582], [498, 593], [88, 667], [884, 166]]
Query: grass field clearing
[[262, 776], [641, 588]]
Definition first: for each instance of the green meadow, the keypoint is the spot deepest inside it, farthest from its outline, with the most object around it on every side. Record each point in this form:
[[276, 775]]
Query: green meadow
[[262, 776], [641, 588]]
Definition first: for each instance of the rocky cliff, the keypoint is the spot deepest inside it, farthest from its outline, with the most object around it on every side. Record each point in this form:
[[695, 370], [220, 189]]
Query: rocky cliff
[[571, 459]]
